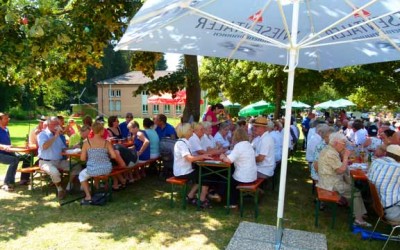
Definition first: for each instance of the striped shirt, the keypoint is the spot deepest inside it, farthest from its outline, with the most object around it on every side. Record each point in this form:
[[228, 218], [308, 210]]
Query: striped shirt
[[385, 174]]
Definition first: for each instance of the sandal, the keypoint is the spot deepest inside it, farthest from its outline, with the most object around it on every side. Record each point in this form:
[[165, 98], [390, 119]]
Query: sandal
[[192, 201], [205, 204], [361, 223], [86, 202]]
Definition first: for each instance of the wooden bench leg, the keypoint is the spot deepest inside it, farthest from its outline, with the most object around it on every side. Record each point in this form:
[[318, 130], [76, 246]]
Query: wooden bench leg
[[256, 204], [241, 203]]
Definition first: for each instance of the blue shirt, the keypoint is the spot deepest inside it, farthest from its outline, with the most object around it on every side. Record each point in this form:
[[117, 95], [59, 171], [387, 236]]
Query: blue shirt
[[123, 126], [167, 131], [138, 145], [385, 174], [154, 142], [4, 138], [54, 151], [306, 123]]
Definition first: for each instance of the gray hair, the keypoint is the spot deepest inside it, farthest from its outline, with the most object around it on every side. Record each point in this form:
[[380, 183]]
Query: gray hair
[[52, 119], [324, 130], [206, 124], [336, 137]]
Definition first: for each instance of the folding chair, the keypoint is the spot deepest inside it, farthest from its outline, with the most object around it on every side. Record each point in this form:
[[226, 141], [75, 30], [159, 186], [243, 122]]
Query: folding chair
[[377, 206]]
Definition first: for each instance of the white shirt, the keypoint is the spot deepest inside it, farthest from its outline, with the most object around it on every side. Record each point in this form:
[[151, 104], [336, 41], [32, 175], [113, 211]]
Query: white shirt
[[194, 144], [244, 159], [181, 165], [221, 140], [278, 140], [207, 141], [265, 146], [311, 146], [360, 136]]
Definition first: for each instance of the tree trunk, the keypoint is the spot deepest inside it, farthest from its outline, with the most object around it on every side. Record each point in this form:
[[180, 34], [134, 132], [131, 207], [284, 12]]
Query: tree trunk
[[193, 90]]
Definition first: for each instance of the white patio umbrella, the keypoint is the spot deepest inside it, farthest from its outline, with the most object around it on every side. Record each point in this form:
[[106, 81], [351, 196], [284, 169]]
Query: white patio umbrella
[[297, 105], [343, 103], [326, 105], [313, 34]]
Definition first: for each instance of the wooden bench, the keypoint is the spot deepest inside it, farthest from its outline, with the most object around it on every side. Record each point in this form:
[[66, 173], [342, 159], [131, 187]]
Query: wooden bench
[[107, 178], [253, 190], [183, 184], [31, 171], [329, 197]]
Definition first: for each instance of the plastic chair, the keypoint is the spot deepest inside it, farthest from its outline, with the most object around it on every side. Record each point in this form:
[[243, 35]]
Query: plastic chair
[[377, 206]]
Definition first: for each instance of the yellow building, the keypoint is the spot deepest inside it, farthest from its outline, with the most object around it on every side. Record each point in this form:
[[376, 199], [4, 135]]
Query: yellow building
[[115, 97]]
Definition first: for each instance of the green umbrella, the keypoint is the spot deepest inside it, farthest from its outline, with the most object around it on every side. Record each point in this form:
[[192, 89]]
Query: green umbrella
[[343, 103], [258, 108]]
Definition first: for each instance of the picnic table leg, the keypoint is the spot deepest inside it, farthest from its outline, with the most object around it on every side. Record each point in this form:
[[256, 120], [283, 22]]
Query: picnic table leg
[[199, 189], [228, 193]]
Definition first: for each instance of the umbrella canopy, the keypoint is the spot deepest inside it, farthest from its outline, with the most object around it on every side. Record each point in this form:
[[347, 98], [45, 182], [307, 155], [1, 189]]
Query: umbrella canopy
[[310, 34], [298, 105], [228, 103], [258, 108], [326, 105], [343, 103]]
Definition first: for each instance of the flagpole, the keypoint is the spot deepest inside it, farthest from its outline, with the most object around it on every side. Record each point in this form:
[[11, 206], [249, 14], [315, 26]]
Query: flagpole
[[288, 112]]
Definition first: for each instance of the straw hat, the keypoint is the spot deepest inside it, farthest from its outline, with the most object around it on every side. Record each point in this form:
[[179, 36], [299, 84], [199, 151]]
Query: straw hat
[[261, 121], [393, 149]]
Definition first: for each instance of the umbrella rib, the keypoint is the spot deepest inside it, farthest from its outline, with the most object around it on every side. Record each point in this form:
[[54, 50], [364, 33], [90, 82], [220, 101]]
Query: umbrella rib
[[311, 40], [312, 44], [242, 40]]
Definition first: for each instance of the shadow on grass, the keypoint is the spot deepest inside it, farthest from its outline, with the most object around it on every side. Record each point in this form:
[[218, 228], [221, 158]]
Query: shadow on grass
[[141, 212], [141, 215]]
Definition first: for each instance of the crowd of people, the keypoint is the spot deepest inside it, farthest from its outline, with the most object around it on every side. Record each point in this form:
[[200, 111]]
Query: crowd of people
[[253, 147], [332, 145], [99, 149]]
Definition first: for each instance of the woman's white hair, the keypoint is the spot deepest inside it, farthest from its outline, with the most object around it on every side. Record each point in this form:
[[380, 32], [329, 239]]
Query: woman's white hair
[[336, 137]]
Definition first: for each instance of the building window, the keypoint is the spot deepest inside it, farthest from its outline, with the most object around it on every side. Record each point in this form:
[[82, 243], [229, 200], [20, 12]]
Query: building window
[[115, 105], [114, 93], [145, 109], [111, 106], [178, 109], [167, 109], [145, 92], [156, 109], [118, 105]]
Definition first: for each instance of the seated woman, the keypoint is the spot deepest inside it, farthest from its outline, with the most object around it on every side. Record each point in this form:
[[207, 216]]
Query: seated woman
[[97, 152], [153, 138], [244, 159], [183, 160], [221, 137], [113, 127], [141, 144], [140, 141], [332, 169]]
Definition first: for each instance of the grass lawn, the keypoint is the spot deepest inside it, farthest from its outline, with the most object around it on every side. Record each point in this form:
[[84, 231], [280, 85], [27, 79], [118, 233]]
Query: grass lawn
[[140, 218]]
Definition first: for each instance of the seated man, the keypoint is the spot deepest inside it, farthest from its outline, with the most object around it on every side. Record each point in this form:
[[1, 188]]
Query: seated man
[[163, 128], [7, 157], [10, 158], [385, 174], [50, 158], [332, 169], [264, 147]]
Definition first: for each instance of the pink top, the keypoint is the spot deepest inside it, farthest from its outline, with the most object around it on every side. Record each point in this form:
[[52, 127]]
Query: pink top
[[214, 118]]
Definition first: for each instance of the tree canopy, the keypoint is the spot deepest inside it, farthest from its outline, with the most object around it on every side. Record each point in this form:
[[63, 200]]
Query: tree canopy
[[48, 40]]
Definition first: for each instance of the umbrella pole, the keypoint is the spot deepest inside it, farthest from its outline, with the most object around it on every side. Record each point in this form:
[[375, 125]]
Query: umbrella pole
[[288, 112]]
